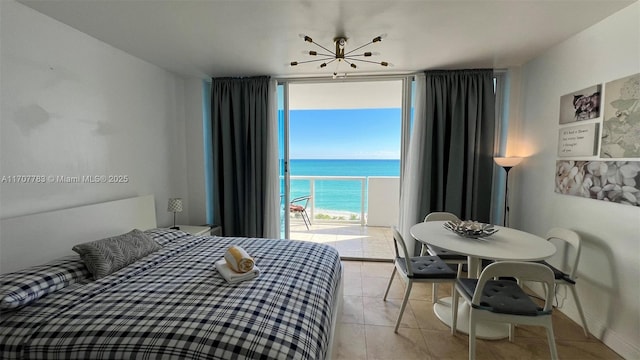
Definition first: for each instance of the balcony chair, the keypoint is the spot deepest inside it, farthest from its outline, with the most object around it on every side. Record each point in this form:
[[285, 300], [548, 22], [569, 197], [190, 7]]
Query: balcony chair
[[447, 256], [567, 275], [296, 206], [416, 269], [505, 301]]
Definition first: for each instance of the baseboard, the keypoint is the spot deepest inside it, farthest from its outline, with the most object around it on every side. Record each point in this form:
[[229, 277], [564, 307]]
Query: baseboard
[[611, 338], [597, 329]]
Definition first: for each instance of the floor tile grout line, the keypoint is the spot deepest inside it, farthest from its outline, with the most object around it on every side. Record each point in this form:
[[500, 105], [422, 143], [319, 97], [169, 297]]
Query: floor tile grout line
[[366, 345]]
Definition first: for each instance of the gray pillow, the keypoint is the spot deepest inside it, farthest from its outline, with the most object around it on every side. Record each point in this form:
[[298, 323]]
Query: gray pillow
[[106, 256]]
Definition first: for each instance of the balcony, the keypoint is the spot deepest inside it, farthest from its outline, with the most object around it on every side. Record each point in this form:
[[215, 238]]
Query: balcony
[[356, 235]]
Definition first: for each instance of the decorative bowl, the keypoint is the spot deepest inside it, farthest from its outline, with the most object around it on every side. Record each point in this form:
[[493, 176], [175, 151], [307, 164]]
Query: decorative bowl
[[470, 229]]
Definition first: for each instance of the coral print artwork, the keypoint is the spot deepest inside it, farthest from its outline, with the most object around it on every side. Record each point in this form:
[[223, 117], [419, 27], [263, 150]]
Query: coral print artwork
[[614, 181], [580, 105], [621, 125]]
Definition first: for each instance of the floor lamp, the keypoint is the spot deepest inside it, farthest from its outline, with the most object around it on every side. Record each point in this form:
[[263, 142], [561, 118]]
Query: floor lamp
[[507, 163]]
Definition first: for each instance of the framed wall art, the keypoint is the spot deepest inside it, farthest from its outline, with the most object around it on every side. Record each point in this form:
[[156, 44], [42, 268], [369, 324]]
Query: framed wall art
[[612, 181], [621, 123], [580, 105], [580, 140]]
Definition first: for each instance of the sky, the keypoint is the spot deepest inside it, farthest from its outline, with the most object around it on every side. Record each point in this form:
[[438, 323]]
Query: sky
[[345, 134]]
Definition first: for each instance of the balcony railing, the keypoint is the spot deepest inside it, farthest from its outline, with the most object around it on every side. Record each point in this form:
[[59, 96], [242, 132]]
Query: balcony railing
[[378, 198]]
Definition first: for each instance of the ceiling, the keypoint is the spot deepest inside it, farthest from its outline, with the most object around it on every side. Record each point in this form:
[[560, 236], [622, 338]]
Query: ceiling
[[215, 38]]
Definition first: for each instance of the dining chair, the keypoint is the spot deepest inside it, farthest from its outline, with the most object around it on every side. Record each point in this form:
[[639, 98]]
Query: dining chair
[[566, 274], [449, 257], [497, 300], [416, 269], [296, 206]]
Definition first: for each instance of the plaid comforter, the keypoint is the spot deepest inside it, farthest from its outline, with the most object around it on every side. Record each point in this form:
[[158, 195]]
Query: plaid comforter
[[174, 304]]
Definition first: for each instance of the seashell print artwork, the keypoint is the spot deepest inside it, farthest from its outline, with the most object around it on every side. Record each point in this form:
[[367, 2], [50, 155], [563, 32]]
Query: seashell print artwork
[[621, 123], [613, 181]]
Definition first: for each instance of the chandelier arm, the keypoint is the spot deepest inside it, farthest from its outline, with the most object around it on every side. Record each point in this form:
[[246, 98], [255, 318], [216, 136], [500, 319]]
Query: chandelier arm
[[314, 60], [350, 63], [363, 54], [367, 61], [332, 60], [329, 56], [322, 47], [358, 48]]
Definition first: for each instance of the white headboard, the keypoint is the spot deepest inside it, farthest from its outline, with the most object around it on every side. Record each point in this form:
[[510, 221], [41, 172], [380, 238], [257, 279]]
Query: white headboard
[[35, 239]]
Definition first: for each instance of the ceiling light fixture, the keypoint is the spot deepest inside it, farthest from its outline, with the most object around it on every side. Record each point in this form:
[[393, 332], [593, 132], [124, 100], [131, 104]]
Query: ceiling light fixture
[[340, 55]]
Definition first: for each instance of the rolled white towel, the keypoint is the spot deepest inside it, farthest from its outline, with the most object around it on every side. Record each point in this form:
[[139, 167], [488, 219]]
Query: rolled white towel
[[238, 259], [233, 277]]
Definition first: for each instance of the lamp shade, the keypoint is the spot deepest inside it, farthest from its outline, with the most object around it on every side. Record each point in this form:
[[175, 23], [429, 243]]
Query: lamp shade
[[507, 161], [175, 205]]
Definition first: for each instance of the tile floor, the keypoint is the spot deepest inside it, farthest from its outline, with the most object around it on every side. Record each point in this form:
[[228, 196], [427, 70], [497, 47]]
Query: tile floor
[[351, 240], [366, 328]]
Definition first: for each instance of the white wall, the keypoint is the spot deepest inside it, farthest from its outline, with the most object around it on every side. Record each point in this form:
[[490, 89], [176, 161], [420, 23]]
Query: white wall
[[610, 264], [72, 105]]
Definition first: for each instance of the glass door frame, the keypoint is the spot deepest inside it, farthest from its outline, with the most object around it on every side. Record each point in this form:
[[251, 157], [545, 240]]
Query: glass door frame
[[407, 103], [285, 162]]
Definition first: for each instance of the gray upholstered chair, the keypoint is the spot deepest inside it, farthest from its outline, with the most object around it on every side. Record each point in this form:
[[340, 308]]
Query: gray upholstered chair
[[416, 269], [449, 257], [565, 274], [497, 300]]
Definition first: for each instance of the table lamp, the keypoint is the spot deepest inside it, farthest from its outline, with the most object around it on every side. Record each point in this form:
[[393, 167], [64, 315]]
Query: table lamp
[[175, 205], [507, 163]]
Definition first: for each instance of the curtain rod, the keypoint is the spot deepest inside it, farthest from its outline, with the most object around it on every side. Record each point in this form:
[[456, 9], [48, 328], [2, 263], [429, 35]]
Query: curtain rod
[[370, 77], [328, 78]]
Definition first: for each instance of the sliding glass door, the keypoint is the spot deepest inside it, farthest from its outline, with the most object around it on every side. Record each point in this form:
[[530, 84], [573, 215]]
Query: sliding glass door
[[341, 146]]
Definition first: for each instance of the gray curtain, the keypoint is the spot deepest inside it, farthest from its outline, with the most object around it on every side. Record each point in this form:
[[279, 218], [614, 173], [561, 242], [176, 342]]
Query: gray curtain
[[239, 119], [459, 144]]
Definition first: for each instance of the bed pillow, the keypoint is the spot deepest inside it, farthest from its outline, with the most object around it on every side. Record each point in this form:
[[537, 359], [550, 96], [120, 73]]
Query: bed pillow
[[106, 256], [25, 286], [165, 236]]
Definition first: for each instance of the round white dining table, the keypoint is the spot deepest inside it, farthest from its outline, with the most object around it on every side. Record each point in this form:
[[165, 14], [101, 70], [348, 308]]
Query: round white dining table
[[506, 244]]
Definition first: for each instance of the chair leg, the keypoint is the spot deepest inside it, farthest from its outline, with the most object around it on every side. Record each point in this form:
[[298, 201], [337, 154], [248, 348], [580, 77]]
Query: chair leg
[[472, 336], [389, 285], [434, 293], [305, 218], [552, 340], [404, 304], [511, 331], [434, 286], [454, 309], [579, 306], [307, 215]]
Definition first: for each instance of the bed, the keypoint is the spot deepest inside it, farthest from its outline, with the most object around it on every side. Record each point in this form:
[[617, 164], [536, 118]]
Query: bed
[[172, 303]]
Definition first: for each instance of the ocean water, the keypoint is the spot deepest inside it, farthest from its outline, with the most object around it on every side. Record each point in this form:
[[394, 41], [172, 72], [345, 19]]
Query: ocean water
[[338, 195]]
